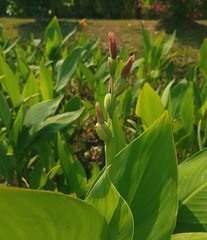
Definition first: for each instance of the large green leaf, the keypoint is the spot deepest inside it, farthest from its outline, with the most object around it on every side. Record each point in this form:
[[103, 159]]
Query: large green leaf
[[9, 81], [5, 113], [145, 174], [187, 111], [67, 69], [113, 207], [53, 39], [189, 236], [176, 98], [36, 132], [40, 111], [192, 214], [31, 88], [46, 83], [149, 105], [27, 214]]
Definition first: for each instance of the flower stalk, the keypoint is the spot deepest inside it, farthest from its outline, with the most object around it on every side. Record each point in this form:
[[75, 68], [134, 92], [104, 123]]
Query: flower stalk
[[116, 86]]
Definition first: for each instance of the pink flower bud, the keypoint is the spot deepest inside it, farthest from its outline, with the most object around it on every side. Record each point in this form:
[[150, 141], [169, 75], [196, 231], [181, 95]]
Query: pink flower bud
[[112, 45], [99, 114], [127, 67]]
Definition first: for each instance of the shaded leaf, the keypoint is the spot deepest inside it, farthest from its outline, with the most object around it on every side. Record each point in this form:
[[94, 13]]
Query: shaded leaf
[[192, 213]]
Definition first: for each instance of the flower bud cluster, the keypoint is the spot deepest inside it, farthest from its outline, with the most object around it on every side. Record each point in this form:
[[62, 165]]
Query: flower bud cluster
[[102, 128], [117, 86]]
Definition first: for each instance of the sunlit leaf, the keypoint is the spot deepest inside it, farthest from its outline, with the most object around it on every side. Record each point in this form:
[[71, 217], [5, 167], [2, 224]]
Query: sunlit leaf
[[27, 214], [112, 206], [145, 174], [190, 236], [149, 105]]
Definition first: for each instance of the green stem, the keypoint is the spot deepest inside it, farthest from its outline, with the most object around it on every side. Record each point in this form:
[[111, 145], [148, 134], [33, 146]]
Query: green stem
[[110, 151]]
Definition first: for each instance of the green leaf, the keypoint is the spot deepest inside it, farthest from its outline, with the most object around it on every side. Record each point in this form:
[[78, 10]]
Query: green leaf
[[67, 69], [168, 44], [145, 174], [113, 207], [176, 98], [166, 93], [78, 178], [7, 164], [10, 82], [190, 236], [53, 38], [203, 57], [88, 75], [40, 131], [31, 88], [192, 213], [73, 170], [23, 67], [40, 111], [187, 111], [5, 113], [119, 136], [18, 125], [46, 83], [149, 105], [27, 214], [57, 122], [147, 43]]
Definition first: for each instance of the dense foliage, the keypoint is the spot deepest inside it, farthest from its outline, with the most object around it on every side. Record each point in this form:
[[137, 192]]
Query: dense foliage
[[70, 8], [152, 183], [178, 9]]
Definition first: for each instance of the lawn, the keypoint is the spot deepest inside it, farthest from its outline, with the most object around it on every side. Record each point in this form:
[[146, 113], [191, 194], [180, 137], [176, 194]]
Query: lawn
[[189, 37]]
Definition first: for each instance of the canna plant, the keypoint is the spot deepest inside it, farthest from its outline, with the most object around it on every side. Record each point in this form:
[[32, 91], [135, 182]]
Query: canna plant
[[141, 193]]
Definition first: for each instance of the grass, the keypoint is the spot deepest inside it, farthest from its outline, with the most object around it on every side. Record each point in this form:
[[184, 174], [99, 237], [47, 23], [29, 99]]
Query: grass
[[127, 32]]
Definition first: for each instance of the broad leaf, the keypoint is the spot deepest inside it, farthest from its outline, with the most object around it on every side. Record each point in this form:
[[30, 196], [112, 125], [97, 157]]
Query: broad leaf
[[176, 99], [67, 69], [145, 174], [46, 83], [149, 105], [40, 131], [53, 39], [192, 214], [168, 44], [190, 236], [5, 113], [27, 214], [31, 88], [187, 111], [113, 207], [9, 81], [39, 112]]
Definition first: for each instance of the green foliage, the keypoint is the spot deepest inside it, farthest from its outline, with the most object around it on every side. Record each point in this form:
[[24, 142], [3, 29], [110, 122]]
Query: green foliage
[[47, 215], [48, 96]]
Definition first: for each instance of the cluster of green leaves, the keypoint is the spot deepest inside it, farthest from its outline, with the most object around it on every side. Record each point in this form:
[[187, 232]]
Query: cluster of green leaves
[[38, 116], [143, 193]]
